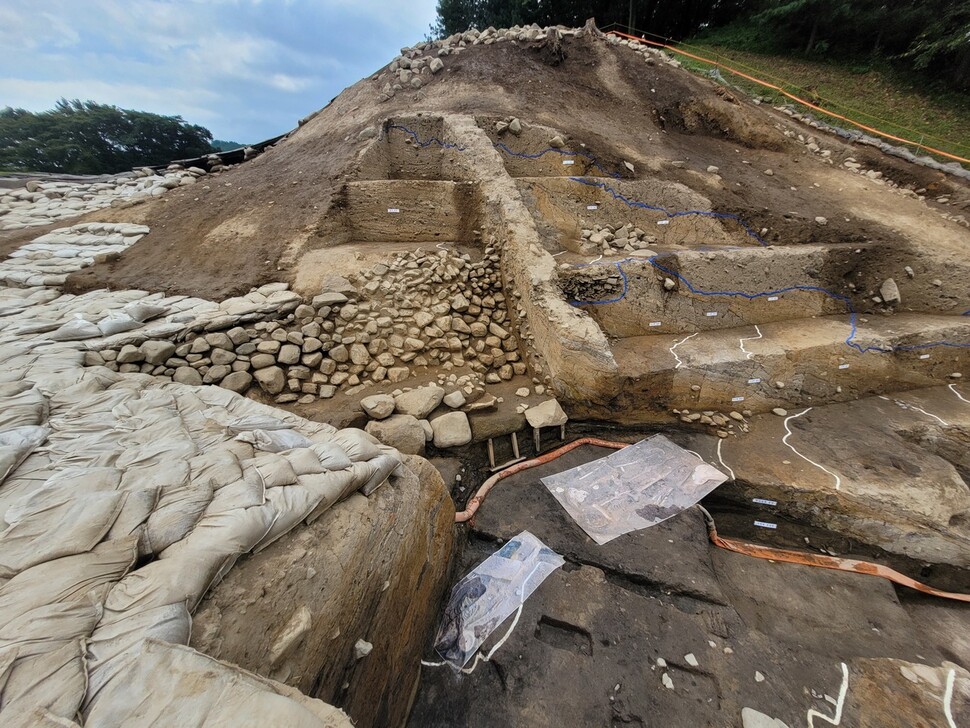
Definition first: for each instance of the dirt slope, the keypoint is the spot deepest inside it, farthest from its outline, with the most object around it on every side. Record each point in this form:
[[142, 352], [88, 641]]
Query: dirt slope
[[246, 226]]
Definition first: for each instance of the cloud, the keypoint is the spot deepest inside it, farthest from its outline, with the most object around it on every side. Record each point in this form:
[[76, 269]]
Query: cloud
[[246, 69]]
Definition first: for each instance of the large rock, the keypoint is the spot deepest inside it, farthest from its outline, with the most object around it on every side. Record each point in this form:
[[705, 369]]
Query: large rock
[[370, 569], [546, 414], [237, 381], [451, 430], [271, 379], [419, 402], [401, 431], [378, 406], [157, 352]]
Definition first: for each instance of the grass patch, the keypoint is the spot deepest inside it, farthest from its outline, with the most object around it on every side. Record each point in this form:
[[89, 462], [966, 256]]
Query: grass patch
[[877, 96]]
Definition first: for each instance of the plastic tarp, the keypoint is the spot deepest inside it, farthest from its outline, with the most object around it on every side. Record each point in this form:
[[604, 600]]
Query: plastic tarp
[[633, 488], [490, 592]]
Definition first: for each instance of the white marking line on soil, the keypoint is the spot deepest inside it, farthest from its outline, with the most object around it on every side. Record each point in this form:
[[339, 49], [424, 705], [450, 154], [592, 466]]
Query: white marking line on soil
[[596, 259], [843, 691], [556, 255], [838, 480], [948, 698], [749, 354], [720, 441], [928, 414], [951, 388], [678, 343]]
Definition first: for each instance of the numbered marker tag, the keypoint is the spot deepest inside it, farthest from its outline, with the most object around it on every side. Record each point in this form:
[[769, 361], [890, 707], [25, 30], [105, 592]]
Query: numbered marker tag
[[656, 323], [737, 399], [843, 366], [924, 356], [754, 381], [711, 313], [772, 298], [592, 207], [393, 209], [765, 524], [569, 161], [663, 222], [764, 501]]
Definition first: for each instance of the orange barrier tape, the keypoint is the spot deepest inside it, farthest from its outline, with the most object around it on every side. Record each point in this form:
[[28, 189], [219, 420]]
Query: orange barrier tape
[[748, 549], [782, 91]]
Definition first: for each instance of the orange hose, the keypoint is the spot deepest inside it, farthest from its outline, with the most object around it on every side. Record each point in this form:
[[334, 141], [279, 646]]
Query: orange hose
[[748, 549], [782, 91]]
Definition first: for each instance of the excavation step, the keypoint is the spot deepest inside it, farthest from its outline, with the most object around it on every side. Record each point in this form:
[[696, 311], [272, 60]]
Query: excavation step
[[405, 211], [701, 290], [792, 363]]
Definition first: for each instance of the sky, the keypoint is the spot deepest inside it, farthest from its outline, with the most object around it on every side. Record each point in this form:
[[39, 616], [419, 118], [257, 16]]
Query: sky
[[247, 70]]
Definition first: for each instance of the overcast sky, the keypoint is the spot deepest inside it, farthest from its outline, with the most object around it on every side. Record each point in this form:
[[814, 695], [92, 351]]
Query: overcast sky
[[244, 69]]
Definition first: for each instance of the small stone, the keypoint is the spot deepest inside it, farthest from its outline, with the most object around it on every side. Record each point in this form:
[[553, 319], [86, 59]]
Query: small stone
[[157, 352], [758, 677], [454, 400], [713, 170], [515, 126], [690, 659], [669, 284], [271, 380], [187, 375], [780, 412], [419, 403], [889, 291], [546, 414], [237, 382], [131, 354], [403, 432], [668, 683], [522, 392], [821, 220], [362, 648]]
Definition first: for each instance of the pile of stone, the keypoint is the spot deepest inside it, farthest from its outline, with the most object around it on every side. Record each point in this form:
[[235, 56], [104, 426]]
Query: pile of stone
[[723, 424], [49, 259], [403, 419], [616, 240], [43, 203], [590, 283], [416, 66], [437, 308]]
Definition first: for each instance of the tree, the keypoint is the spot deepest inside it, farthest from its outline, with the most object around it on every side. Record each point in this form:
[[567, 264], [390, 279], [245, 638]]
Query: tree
[[84, 137]]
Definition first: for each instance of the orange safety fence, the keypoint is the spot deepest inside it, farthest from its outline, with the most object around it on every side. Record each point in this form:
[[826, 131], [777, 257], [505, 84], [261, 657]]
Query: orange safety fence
[[791, 96]]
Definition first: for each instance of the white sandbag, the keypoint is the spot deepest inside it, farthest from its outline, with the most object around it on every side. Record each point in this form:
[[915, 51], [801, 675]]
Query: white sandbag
[[172, 686], [42, 718], [119, 634], [275, 440], [75, 330], [246, 492], [64, 484], [117, 324], [177, 512], [218, 467], [142, 311], [72, 526], [25, 408], [275, 470], [382, 467], [357, 444], [313, 496], [138, 506], [50, 627], [304, 461], [54, 681], [331, 456], [247, 423], [16, 444], [67, 579]]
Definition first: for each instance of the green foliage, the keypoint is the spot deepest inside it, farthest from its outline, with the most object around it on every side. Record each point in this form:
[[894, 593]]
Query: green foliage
[[930, 36], [84, 137], [221, 145]]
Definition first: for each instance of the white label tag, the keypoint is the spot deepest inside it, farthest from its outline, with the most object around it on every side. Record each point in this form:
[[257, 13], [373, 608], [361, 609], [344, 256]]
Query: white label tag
[[764, 501], [843, 366], [591, 207], [765, 524], [754, 381], [924, 356], [711, 313], [393, 209], [737, 399], [772, 298], [663, 222], [656, 323], [569, 161]]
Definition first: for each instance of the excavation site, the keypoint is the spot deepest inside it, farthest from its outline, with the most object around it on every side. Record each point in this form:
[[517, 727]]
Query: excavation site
[[535, 380]]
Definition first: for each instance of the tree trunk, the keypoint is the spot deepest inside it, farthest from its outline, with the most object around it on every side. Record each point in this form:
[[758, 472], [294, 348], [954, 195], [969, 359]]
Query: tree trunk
[[811, 36]]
